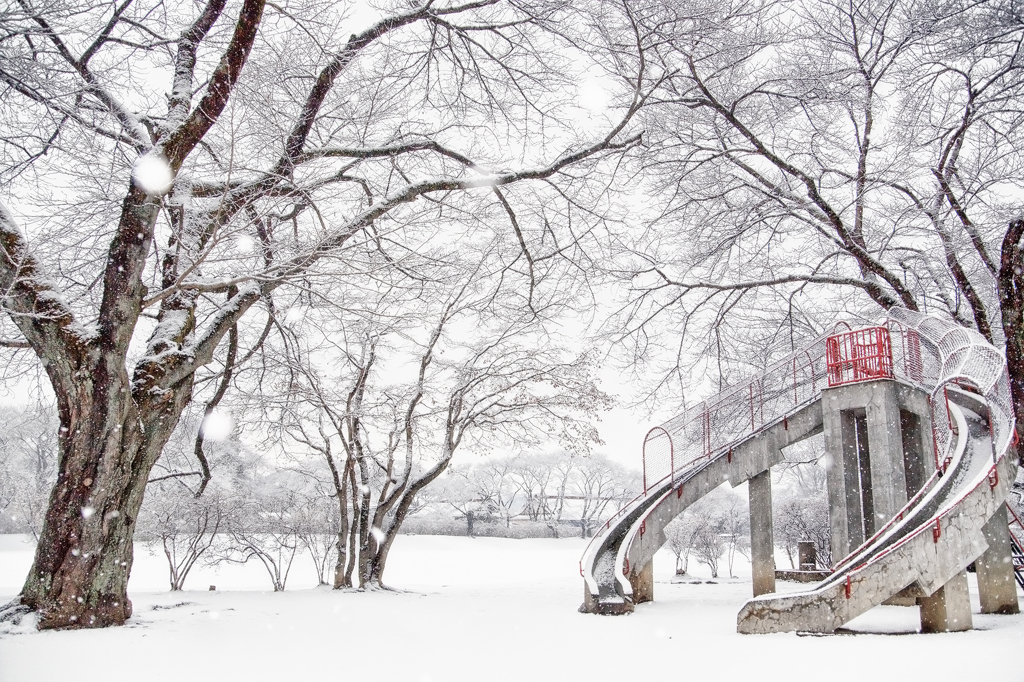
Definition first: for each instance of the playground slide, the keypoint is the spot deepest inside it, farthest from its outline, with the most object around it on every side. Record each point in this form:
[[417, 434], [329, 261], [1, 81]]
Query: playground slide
[[631, 539], [733, 437], [931, 540], [935, 537]]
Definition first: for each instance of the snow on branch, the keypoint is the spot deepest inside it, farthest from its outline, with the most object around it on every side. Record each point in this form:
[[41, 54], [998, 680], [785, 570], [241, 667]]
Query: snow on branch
[[129, 121], [39, 310], [185, 137]]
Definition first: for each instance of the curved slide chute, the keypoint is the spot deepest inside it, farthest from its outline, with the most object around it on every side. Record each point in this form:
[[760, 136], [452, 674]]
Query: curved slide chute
[[931, 539], [630, 540]]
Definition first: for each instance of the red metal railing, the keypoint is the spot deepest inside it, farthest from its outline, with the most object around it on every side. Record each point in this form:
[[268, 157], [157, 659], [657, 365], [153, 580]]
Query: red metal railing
[[841, 357], [859, 355], [707, 427], [898, 350], [657, 440]]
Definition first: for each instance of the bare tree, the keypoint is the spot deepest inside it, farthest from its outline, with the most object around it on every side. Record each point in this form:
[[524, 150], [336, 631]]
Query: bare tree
[[813, 158], [184, 526], [679, 536], [734, 519], [802, 513], [802, 510], [494, 484], [386, 402], [456, 490], [265, 527], [28, 465], [598, 484], [717, 525], [530, 477], [801, 519], [318, 523], [173, 214], [555, 470], [708, 545]]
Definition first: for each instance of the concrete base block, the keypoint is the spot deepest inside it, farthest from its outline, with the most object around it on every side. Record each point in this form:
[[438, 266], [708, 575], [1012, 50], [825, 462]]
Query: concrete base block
[[948, 609], [996, 585], [591, 604]]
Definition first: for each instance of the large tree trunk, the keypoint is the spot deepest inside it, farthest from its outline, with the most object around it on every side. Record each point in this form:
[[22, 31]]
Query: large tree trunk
[[1011, 302], [108, 445]]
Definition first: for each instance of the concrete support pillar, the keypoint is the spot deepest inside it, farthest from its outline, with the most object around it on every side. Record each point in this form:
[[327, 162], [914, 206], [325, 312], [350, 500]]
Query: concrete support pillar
[[885, 440], [762, 537], [859, 494], [949, 608], [849, 477], [996, 585], [643, 584], [867, 427], [915, 440], [835, 468]]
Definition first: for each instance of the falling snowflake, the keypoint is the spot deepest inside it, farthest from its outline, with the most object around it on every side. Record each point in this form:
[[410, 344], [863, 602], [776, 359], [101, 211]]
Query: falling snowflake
[[217, 426], [153, 174], [245, 244]]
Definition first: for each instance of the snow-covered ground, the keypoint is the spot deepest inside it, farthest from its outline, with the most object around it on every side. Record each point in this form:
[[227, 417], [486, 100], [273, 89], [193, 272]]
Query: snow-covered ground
[[476, 609]]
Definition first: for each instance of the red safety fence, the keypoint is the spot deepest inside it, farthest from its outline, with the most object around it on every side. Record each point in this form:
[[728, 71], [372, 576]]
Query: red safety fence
[[859, 355], [711, 426], [704, 429]]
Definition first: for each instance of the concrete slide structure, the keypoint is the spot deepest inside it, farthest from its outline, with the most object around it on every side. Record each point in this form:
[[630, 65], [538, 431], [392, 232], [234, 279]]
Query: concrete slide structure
[[905, 525]]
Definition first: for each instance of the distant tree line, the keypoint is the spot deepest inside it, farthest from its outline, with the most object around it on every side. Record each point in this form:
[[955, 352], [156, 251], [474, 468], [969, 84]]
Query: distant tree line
[[555, 494], [276, 507]]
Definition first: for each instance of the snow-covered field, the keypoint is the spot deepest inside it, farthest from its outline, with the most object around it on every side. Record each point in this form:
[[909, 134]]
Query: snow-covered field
[[476, 609]]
